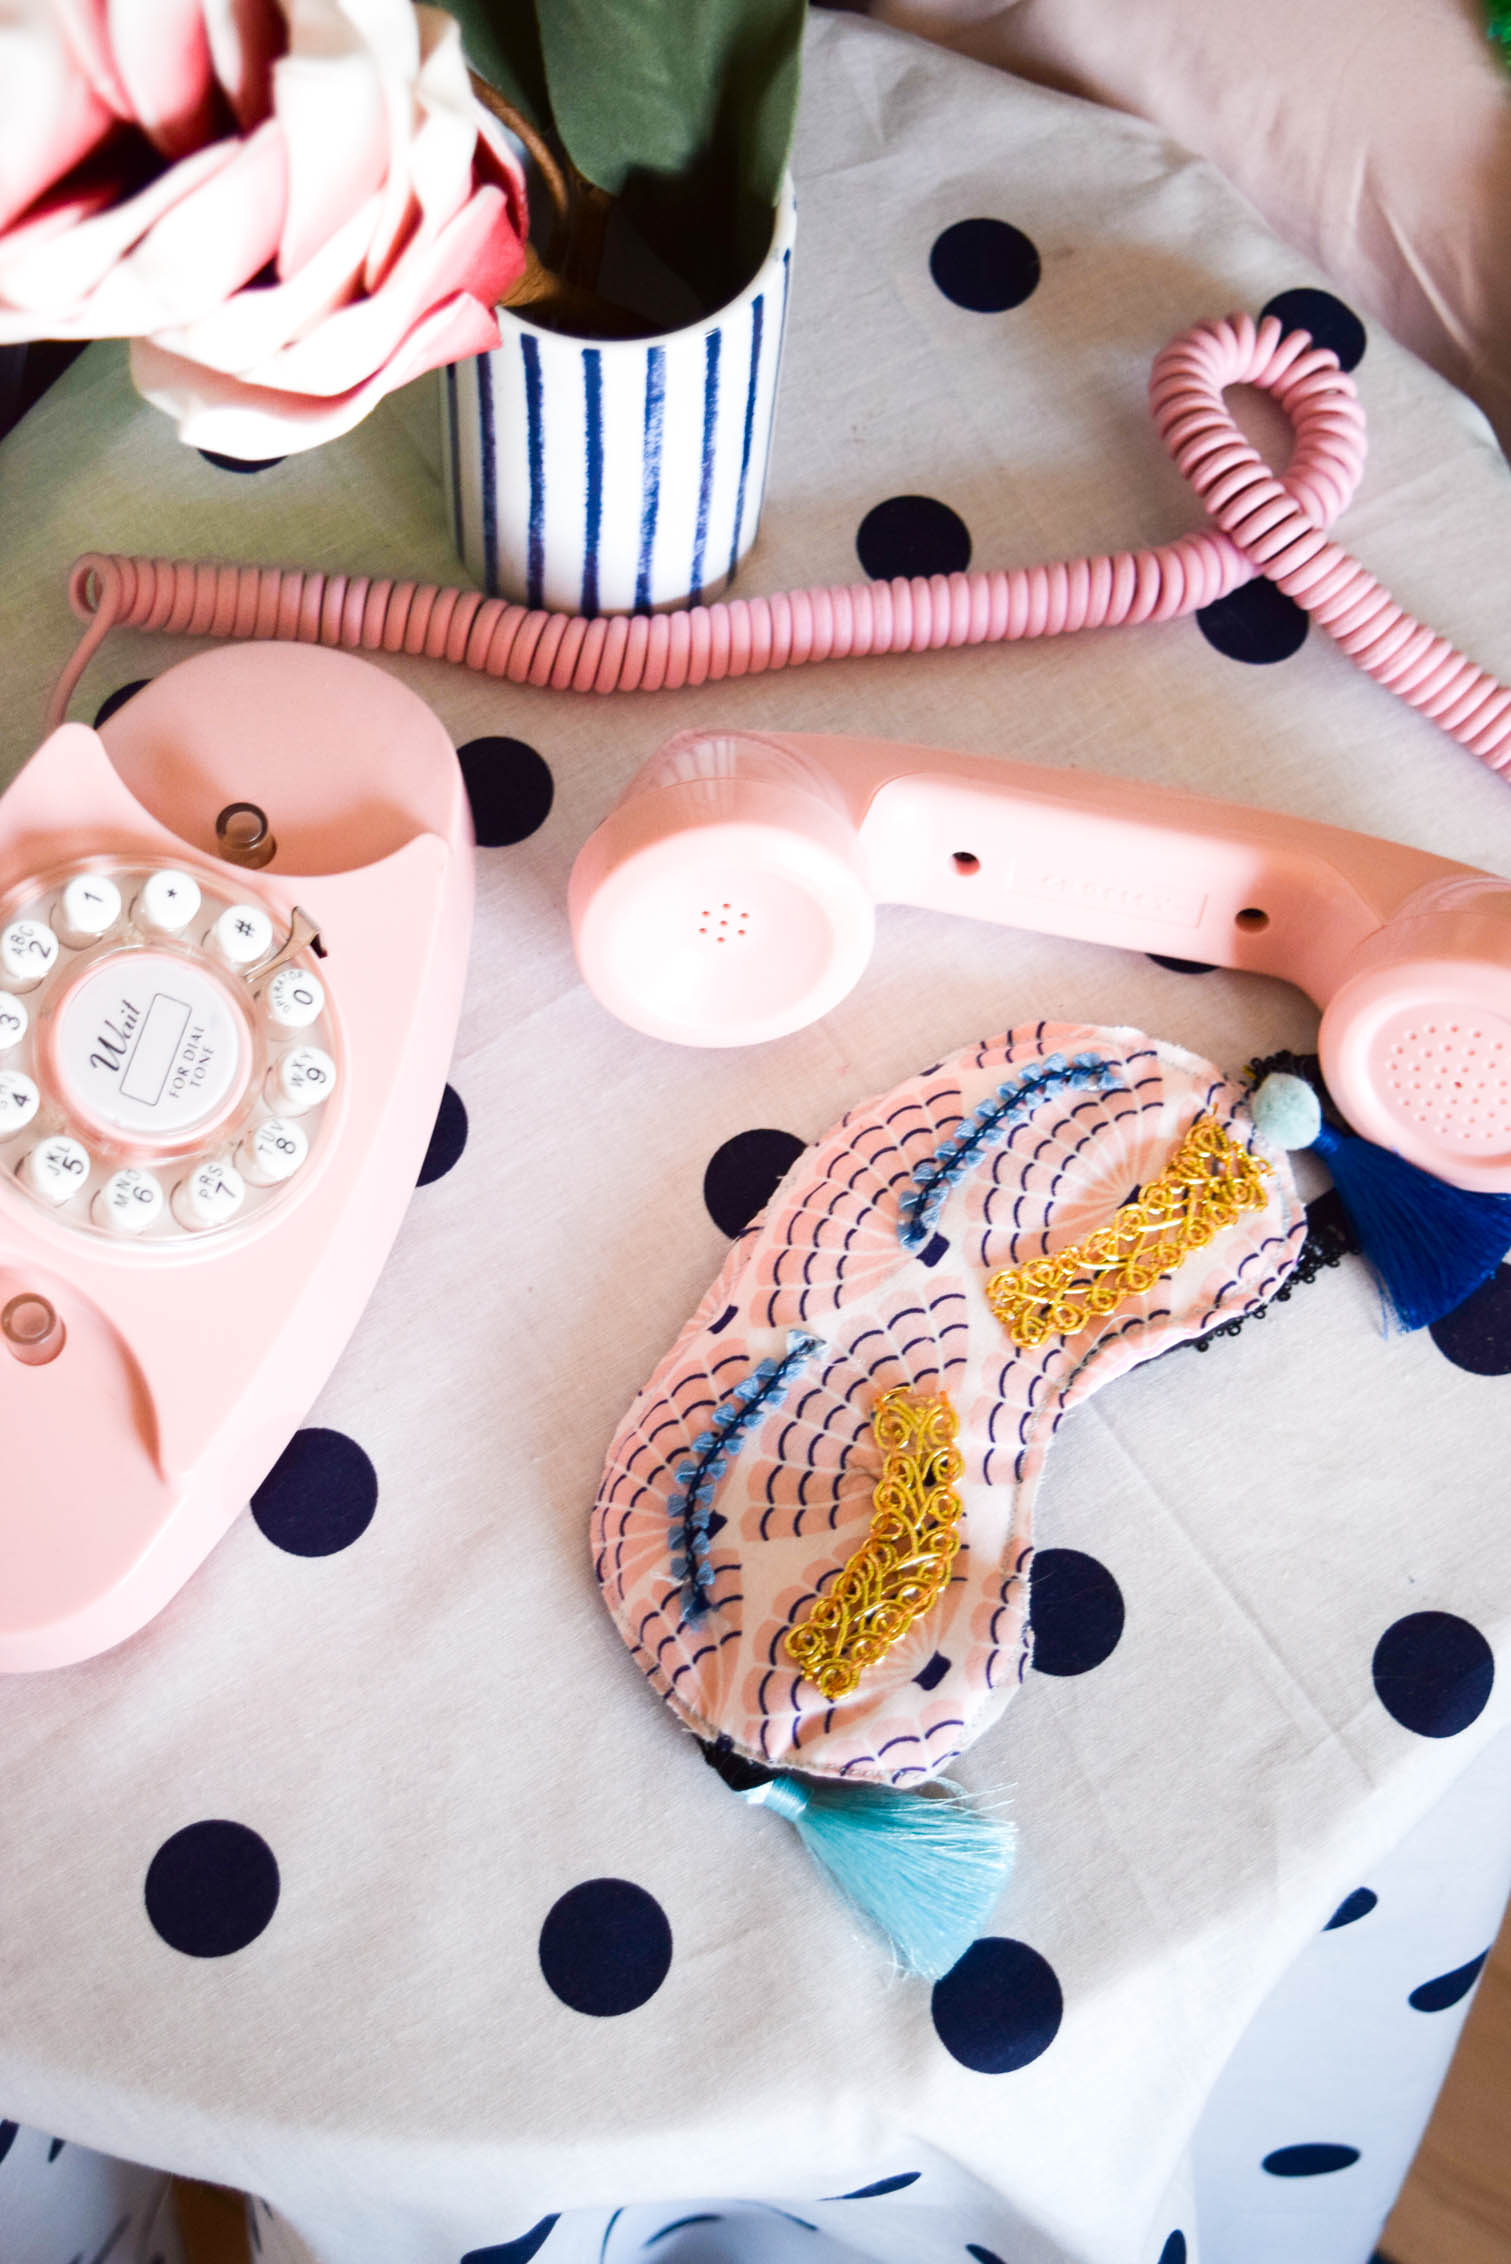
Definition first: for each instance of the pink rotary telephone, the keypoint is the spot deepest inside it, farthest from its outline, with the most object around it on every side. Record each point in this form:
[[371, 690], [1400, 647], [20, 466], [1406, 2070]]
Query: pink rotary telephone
[[730, 898], [233, 936]]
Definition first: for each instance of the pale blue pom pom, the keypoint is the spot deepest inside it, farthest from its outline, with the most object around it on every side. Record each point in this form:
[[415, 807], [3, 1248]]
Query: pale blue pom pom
[[1287, 1111], [927, 1869]]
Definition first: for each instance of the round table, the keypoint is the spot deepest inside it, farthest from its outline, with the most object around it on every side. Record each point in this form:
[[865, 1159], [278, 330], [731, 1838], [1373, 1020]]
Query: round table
[[513, 1974]]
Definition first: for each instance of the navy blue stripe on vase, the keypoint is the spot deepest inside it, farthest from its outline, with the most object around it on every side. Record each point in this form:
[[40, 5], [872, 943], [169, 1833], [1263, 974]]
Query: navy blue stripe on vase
[[752, 387], [535, 560], [781, 343], [486, 440], [454, 444], [650, 491], [592, 402], [711, 346]]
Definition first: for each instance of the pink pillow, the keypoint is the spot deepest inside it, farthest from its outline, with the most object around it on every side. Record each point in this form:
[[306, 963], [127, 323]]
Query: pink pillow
[[1376, 141]]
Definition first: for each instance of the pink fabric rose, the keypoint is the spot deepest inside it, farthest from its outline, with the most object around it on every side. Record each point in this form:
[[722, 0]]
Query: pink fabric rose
[[289, 206]]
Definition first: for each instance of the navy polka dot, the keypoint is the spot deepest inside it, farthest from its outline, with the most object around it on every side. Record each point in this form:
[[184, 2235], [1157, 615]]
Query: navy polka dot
[[212, 1888], [319, 1495], [744, 1174], [1181, 966], [882, 2185], [1433, 1672], [986, 266], [930, 1676], [1448, 1988], [1257, 623], [118, 699], [1330, 322], [1357, 1905], [999, 2007], [1477, 1334], [1075, 1608], [510, 789], [1174, 2250], [239, 463], [973, 2248], [514, 2251], [1309, 2161], [606, 1947], [8, 2132], [912, 534], [447, 1140]]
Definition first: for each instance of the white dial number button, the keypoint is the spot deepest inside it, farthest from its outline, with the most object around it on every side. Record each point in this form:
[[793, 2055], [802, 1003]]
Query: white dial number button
[[301, 1081], [168, 902], [28, 952], [88, 908], [209, 1197], [14, 1022], [18, 1102], [273, 1152], [295, 999], [56, 1168], [242, 935], [129, 1202]]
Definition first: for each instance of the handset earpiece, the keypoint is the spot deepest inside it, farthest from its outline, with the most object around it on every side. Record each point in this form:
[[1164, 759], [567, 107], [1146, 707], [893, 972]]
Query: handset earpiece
[[729, 899], [726, 900], [1415, 1040]]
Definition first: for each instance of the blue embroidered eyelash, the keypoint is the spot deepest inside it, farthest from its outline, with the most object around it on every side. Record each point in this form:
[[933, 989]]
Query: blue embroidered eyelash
[[984, 1127], [690, 1509]]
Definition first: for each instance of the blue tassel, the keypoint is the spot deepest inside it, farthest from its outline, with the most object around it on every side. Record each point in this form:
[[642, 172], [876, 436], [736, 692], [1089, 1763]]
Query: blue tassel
[[926, 1869], [1431, 1245]]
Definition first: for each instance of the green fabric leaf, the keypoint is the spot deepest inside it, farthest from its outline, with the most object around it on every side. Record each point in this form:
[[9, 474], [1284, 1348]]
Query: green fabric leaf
[[502, 43], [685, 109]]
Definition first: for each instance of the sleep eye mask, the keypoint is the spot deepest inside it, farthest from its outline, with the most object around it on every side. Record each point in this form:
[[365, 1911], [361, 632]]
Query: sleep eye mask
[[814, 1529]]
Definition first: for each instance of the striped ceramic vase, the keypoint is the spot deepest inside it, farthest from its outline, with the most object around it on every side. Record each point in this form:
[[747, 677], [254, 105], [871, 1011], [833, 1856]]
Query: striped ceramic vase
[[618, 475]]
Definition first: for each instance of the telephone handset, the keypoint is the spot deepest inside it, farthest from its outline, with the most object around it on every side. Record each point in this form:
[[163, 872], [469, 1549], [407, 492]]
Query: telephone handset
[[233, 934], [730, 898]]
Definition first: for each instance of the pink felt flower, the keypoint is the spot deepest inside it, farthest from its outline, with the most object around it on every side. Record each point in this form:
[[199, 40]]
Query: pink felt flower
[[289, 206]]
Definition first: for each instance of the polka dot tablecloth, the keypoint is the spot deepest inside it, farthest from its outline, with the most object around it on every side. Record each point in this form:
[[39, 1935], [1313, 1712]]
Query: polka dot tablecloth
[[368, 1878]]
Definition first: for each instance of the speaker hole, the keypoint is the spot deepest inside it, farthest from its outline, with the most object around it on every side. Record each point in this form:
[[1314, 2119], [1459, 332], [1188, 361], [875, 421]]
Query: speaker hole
[[964, 862], [1251, 919]]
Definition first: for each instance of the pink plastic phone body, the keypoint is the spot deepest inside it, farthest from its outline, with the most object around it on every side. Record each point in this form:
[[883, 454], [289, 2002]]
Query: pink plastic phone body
[[189, 1358], [730, 898]]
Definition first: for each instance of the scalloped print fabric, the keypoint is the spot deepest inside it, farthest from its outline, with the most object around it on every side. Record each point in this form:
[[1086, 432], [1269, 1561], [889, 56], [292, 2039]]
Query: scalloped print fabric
[[742, 1478]]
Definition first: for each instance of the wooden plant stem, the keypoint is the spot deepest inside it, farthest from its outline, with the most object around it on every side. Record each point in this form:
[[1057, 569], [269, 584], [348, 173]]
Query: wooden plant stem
[[562, 305], [552, 177]]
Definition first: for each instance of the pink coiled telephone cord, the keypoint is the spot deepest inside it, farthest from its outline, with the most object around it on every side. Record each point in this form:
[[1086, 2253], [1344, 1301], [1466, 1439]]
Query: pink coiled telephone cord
[[1265, 524]]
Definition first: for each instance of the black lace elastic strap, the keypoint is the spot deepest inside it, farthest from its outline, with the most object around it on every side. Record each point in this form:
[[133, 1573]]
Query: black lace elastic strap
[[739, 1774], [1329, 1237]]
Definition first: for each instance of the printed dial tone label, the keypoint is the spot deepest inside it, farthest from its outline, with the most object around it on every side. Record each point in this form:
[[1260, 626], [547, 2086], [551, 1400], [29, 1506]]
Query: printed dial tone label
[[150, 1045]]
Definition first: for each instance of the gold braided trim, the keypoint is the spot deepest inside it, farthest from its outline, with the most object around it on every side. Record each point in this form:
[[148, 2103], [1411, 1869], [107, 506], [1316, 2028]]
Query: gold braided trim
[[1206, 1186], [904, 1562]]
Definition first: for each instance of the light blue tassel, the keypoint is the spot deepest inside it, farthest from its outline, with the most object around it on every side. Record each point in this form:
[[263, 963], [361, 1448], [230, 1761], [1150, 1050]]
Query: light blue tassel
[[1431, 1245], [926, 1869]]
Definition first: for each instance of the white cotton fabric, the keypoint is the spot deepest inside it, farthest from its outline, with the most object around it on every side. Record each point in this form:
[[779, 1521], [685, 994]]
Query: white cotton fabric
[[437, 1730]]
